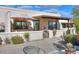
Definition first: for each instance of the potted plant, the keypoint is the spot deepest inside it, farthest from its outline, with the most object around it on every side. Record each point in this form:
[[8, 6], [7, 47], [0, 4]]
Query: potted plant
[[70, 49]]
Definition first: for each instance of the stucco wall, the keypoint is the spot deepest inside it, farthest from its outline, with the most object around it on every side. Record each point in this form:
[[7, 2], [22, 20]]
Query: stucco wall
[[33, 35], [43, 23], [2, 19]]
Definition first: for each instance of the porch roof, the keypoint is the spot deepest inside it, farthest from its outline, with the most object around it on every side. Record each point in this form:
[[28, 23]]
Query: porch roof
[[52, 17], [21, 18]]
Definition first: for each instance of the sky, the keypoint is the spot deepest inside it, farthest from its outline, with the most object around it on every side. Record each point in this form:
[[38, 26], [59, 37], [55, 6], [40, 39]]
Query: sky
[[64, 10]]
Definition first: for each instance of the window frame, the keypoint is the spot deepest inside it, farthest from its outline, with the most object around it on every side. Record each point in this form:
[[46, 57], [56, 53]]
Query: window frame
[[53, 27], [38, 24], [21, 23]]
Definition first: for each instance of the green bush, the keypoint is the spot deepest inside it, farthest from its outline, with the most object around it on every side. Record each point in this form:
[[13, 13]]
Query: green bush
[[73, 41], [26, 35], [76, 23], [17, 39], [67, 38], [77, 28], [70, 38]]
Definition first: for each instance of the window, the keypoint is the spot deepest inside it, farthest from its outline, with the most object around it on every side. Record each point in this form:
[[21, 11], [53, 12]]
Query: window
[[24, 25], [52, 25], [36, 24], [2, 27], [20, 25], [71, 25], [65, 25]]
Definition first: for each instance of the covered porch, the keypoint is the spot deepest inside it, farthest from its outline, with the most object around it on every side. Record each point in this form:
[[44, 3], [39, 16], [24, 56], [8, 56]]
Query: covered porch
[[36, 23]]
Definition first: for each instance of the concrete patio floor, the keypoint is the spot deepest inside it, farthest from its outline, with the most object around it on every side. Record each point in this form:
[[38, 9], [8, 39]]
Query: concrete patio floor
[[46, 44]]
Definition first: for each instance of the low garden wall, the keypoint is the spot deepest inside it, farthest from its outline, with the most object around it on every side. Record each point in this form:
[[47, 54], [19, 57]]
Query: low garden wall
[[9, 35], [33, 35], [58, 33]]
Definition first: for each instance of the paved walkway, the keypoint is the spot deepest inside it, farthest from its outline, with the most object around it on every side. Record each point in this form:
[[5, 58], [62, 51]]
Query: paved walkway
[[46, 44]]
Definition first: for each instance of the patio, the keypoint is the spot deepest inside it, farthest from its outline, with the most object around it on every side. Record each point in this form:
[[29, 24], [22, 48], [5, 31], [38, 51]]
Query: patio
[[46, 44]]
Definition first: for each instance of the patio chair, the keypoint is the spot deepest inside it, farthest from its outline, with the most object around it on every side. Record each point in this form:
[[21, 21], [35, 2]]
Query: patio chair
[[33, 50]]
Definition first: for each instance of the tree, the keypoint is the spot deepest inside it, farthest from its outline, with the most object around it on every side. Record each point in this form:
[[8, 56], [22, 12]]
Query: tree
[[76, 18], [76, 21]]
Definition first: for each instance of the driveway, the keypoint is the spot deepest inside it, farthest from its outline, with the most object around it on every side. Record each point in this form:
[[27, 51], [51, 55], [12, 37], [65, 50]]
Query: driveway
[[46, 44]]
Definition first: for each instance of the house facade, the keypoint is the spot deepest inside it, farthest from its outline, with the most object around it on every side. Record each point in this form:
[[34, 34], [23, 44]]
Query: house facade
[[18, 20]]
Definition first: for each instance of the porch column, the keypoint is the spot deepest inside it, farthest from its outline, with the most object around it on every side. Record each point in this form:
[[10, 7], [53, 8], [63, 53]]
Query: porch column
[[43, 23], [7, 22], [58, 25], [68, 24]]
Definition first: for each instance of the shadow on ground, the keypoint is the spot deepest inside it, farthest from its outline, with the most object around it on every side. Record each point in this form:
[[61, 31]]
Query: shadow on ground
[[59, 45]]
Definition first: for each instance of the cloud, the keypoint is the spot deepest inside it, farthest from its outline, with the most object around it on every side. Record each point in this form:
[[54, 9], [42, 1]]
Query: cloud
[[51, 6], [30, 7], [51, 10], [63, 10], [24, 7]]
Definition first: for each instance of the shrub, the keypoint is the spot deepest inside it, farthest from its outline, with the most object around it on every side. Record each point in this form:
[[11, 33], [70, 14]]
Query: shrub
[[54, 32], [26, 35], [67, 38], [17, 39], [73, 41], [70, 38]]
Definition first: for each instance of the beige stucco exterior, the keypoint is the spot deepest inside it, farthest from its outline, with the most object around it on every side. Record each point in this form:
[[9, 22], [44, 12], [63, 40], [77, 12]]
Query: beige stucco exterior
[[7, 14]]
